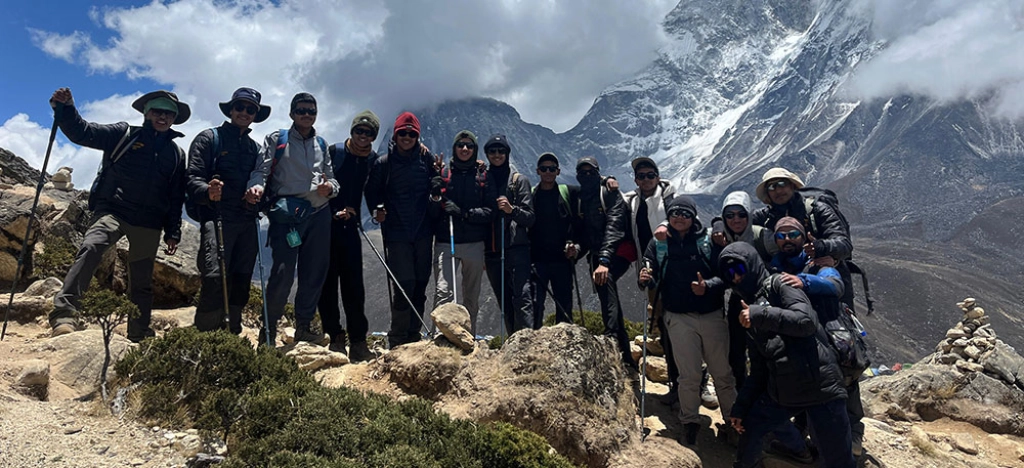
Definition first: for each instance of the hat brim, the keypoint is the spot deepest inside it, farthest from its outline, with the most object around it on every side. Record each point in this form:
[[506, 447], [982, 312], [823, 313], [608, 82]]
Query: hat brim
[[762, 192], [261, 115], [184, 111]]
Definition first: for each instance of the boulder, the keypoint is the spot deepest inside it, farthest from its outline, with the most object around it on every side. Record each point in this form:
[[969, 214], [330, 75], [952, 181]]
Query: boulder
[[653, 345], [454, 322], [965, 443], [657, 369], [47, 287], [28, 308], [33, 379], [1004, 362], [311, 357], [76, 359]]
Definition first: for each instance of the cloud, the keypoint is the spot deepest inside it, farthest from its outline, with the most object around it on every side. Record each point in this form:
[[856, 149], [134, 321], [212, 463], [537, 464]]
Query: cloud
[[547, 58], [948, 50]]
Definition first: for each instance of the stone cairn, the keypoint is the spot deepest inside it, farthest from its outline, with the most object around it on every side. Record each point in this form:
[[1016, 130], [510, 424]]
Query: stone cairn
[[972, 346]]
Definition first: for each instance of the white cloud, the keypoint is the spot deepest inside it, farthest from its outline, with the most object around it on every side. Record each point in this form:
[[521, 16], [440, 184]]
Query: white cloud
[[548, 59], [948, 49]]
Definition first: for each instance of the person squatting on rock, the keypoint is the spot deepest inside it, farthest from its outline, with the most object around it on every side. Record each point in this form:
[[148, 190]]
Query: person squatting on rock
[[220, 161], [734, 226], [792, 369], [297, 176], [552, 246], [404, 191], [510, 248], [824, 286], [138, 191], [469, 199], [351, 161], [601, 228], [694, 316]]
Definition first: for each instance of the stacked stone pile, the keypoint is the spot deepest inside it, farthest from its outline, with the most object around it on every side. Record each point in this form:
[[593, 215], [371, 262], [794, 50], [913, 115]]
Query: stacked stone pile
[[972, 346]]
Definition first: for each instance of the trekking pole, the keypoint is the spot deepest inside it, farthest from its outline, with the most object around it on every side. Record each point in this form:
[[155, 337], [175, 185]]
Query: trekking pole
[[643, 377], [502, 300], [391, 301], [552, 295], [455, 288], [32, 216], [219, 221], [263, 285], [392, 276], [579, 299]]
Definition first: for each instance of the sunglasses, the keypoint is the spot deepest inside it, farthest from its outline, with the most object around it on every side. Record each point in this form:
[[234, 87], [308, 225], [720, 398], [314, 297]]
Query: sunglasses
[[646, 175], [547, 168], [788, 235], [586, 172], [733, 214], [772, 186], [362, 131], [163, 112], [304, 111], [241, 107], [462, 144], [497, 151], [735, 269], [407, 133], [680, 214]]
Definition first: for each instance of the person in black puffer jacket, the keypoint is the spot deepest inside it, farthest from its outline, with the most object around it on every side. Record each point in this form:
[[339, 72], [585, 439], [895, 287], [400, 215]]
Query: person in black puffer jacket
[[470, 202], [139, 190], [792, 369], [216, 185]]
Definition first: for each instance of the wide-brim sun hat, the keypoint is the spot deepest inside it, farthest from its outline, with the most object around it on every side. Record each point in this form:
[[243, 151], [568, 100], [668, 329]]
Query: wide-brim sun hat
[[773, 174], [184, 111]]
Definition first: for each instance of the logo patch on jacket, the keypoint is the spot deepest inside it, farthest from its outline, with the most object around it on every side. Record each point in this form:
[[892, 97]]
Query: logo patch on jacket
[[138, 145]]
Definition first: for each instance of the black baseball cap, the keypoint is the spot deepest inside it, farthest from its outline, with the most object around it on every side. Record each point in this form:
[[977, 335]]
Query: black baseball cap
[[549, 156], [588, 160]]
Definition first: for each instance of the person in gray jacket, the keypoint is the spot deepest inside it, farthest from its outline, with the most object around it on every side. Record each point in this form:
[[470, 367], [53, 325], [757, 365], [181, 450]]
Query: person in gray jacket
[[297, 175]]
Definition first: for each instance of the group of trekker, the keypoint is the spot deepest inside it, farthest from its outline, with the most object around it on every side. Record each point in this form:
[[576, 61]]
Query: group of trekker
[[764, 344]]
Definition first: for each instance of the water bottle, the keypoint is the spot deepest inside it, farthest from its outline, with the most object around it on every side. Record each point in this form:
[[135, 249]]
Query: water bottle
[[661, 247], [860, 327]]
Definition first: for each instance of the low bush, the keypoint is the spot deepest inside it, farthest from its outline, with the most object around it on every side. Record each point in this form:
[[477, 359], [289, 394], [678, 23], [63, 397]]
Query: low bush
[[56, 258]]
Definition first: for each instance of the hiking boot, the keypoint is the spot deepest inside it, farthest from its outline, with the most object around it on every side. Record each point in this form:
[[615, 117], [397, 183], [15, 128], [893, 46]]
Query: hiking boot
[[262, 338], [304, 333], [62, 329], [689, 436], [728, 434], [137, 338], [858, 445], [777, 448], [707, 399], [360, 352], [338, 343], [671, 398]]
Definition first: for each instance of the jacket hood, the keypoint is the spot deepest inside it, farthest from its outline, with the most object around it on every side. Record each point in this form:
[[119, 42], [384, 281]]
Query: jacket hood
[[738, 198], [745, 253]]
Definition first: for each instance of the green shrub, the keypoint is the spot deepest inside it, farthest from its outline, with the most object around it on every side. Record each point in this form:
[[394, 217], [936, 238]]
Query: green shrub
[[108, 310], [56, 258], [276, 415]]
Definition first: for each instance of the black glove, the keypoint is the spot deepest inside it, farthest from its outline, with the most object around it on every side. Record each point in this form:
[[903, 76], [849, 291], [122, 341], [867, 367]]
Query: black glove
[[437, 186], [452, 209]]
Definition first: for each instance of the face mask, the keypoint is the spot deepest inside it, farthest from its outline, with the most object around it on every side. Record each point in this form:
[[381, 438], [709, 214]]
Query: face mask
[[588, 179]]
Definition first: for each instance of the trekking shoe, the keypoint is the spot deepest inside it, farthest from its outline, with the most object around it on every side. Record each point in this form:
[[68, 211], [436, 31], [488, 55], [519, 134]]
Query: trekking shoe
[[303, 333], [777, 448], [728, 434], [689, 436], [62, 329], [337, 347], [858, 445], [707, 399], [360, 352], [671, 398], [262, 338], [137, 338]]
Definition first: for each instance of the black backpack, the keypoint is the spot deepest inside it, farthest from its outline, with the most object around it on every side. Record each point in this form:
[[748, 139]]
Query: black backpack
[[814, 195], [846, 336]]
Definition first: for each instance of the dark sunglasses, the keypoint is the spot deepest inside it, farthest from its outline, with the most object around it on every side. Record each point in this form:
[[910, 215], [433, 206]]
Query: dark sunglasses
[[362, 131], [680, 213], [646, 175], [407, 133], [547, 168], [586, 172], [463, 144], [304, 111], [790, 235], [242, 107], [497, 151], [161, 112], [771, 186], [733, 214], [735, 269]]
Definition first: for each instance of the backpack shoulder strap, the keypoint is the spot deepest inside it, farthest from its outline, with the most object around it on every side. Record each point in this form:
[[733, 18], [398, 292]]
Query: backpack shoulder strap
[[704, 245], [563, 190], [216, 148], [124, 144], [809, 210]]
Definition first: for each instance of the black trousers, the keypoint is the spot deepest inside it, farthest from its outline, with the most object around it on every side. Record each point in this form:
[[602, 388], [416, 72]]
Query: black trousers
[[558, 275], [737, 340], [410, 262], [518, 301], [240, 244], [611, 306], [345, 272]]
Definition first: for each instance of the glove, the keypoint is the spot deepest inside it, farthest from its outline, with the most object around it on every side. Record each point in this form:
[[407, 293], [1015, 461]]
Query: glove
[[452, 209], [437, 186]]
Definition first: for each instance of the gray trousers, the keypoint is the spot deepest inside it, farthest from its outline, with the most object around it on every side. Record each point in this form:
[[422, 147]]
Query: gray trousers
[[240, 244], [104, 231], [696, 338], [469, 258], [311, 256]]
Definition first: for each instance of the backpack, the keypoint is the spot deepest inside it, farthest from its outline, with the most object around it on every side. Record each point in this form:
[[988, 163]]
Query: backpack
[[846, 337], [282, 142], [814, 195]]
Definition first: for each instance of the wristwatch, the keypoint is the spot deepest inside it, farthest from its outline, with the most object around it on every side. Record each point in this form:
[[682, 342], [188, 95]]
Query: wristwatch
[[604, 261]]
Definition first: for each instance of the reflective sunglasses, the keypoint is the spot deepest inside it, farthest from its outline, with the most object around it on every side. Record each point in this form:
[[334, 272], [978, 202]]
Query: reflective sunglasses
[[248, 109], [547, 168], [733, 214], [680, 213], [463, 144], [304, 111], [771, 186], [407, 133], [646, 175], [362, 131], [497, 151], [789, 235], [735, 269]]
